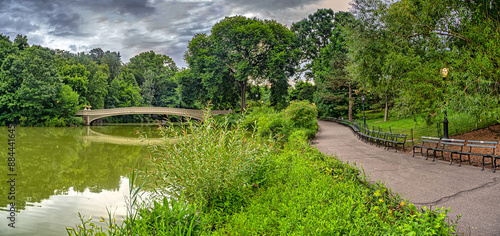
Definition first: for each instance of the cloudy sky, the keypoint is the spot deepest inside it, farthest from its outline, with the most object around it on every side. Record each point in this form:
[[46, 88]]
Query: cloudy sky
[[134, 26]]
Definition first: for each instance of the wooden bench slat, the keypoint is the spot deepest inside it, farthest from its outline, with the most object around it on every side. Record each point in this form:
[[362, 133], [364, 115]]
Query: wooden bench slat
[[481, 146]]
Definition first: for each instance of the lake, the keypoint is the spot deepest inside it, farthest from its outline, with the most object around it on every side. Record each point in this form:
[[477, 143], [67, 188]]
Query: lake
[[60, 172]]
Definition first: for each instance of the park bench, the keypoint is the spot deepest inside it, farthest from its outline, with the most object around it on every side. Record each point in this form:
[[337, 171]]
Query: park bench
[[495, 163], [484, 149], [380, 138], [372, 136], [393, 140], [448, 145], [364, 133], [428, 143], [358, 128]]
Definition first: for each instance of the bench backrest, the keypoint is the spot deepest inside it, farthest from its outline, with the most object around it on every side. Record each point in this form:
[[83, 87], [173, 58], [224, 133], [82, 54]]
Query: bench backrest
[[396, 137], [430, 141], [482, 144], [453, 142]]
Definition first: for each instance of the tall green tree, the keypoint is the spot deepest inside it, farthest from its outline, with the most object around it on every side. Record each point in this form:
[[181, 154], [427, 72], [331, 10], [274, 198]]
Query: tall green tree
[[21, 42], [111, 59], [31, 89], [98, 88], [239, 50], [208, 75], [190, 90], [124, 91], [313, 34], [303, 91], [324, 48], [77, 77], [6, 48], [154, 73]]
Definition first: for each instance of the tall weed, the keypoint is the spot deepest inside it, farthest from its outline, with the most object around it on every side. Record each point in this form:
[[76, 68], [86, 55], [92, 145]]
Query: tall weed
[[210, 164]]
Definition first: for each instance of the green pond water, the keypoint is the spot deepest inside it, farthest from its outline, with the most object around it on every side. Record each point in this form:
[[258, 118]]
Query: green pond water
[[63, 171]]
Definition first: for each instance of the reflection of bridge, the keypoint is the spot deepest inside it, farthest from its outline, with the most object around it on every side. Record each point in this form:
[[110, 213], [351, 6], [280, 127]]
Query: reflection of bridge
[[91, 115], [96, 137]]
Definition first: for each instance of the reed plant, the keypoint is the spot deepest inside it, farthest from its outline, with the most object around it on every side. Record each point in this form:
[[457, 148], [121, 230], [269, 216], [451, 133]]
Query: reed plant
[[211, 164]]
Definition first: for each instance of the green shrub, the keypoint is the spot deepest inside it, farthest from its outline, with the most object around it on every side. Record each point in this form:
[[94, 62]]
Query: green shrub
[[232, 119], [56, 122], [209, 166], [302, 114], [167, 217]]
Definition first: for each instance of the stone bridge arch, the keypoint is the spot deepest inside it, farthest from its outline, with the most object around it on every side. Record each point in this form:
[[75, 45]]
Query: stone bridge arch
[[91, 115]]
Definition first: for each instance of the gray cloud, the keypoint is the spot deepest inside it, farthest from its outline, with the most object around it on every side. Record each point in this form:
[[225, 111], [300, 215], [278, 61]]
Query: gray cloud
[[134, 26], [65, 24], [270, 5]]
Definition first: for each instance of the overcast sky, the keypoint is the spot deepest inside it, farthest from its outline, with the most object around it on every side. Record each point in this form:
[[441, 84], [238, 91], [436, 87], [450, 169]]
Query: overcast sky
[[134, 26]]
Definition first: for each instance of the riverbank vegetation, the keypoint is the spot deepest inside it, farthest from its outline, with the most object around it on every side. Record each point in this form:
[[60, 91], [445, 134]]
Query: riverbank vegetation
[[229, 180]]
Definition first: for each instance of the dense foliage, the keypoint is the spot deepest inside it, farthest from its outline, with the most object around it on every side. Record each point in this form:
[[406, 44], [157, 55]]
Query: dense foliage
[[44, 87], [240, 52], [324, 49], [398, 49]]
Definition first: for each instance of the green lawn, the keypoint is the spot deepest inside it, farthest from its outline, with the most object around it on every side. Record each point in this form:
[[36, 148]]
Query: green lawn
[[415, 128]]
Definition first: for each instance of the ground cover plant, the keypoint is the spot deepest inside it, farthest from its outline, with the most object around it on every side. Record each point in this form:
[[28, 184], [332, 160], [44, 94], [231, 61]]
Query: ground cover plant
[[228, 180]]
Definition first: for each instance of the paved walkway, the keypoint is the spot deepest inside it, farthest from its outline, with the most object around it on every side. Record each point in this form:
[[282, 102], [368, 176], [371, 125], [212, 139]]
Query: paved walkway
[[467, 190]]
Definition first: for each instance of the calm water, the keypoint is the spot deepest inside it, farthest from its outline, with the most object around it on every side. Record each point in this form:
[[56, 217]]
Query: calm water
[[63, 171]]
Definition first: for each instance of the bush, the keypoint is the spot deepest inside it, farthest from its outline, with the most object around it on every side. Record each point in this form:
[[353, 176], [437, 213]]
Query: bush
[[300, 115], [209, 167], [56, 122], [167, 217]]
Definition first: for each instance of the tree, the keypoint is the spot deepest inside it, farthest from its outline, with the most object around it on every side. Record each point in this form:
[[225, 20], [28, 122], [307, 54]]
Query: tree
[[148, 88], [21, 42], [124, 91], [6, 48], [190, 89], [31, 89], [239, 50], [77, 77], [159, 69], [322, 37], [111, 59], [314, 33], [303, 91], [98, 89], [159, 65], [400, 48], [209, 81]]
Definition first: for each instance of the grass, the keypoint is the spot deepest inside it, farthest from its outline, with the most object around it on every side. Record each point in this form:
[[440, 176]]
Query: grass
[[459, 123]]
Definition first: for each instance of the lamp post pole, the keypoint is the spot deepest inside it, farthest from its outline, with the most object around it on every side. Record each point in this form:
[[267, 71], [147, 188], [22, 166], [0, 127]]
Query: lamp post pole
[[364, 118], [444, 73]]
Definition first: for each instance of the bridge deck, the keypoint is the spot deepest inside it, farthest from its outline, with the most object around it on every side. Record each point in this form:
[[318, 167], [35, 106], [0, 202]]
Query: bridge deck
[[91, 115]]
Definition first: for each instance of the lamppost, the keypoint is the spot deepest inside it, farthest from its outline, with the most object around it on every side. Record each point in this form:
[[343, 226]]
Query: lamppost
[[444, 73], [364, 118]]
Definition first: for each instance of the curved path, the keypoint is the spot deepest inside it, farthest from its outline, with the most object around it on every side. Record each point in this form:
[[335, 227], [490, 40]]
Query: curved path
[[466, 190]]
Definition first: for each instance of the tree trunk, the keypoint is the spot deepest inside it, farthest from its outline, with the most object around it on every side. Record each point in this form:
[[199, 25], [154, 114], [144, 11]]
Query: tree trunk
[[386, 113], [243, 93], [349, 112]]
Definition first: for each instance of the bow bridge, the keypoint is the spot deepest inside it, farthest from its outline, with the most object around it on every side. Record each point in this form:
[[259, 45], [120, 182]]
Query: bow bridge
[[91, 115]]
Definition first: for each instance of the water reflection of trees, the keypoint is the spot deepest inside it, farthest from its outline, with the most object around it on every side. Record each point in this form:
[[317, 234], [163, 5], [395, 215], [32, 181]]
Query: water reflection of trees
[[50, 161]]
